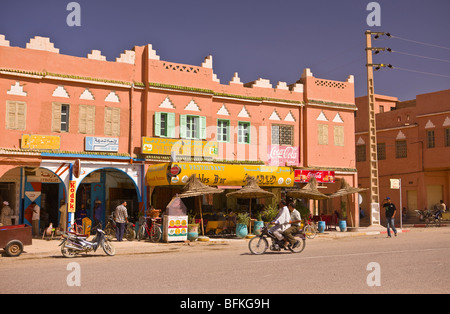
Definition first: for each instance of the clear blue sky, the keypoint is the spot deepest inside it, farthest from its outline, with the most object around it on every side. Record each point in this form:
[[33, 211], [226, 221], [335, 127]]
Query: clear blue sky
[[271, 39]]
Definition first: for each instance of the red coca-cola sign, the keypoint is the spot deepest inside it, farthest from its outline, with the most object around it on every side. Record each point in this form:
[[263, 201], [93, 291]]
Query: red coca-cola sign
[[303, 176], [283, 155]]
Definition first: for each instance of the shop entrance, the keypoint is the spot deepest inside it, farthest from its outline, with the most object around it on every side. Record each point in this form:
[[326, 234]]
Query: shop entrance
[[100, 192]]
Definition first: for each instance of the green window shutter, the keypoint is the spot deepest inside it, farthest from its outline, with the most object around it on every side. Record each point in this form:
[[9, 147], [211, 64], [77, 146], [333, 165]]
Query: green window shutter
[[171, 124], [202, 128], [157, 123], [183, 126]]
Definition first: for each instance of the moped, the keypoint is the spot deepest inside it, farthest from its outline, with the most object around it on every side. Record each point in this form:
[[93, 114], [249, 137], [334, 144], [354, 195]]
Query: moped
[[73, 244], [259, 244]]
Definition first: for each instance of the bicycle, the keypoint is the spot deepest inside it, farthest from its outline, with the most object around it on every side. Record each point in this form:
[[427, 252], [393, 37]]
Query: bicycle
[[310, 228], [153, 233]]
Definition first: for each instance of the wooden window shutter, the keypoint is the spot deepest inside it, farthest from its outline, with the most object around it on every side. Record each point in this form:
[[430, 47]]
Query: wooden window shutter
[[171, 124], [108, 121], [157, 123], [90, 120], [56, 117], [82, 119], [202, 128], [115, 127], [183, 121]]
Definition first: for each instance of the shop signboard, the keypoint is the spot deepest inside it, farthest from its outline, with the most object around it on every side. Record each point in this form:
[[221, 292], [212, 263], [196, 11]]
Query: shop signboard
[[216, 174], [72, 196], [175, 228], [283, 155], [303, 176], [189, 148], [47, 142], [101, 144]]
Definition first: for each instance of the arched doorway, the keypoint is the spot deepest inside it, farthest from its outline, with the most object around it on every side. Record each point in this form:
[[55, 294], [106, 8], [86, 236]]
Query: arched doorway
[[101, 191], [21, 186]]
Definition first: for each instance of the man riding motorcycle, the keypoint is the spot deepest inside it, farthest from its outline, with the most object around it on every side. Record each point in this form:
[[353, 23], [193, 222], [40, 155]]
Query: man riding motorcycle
[[281, 221]]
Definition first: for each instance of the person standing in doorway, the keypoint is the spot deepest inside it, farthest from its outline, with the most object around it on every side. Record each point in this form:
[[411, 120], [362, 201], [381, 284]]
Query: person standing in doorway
[[6, 214], [63, 216], [120, 218], [35, 218], [390, 214]]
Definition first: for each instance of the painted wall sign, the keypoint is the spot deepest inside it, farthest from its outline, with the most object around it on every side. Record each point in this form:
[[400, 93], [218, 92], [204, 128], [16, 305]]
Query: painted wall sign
[[72, 196], [283, 155], [30, 141], [165, 146], [101, 144]]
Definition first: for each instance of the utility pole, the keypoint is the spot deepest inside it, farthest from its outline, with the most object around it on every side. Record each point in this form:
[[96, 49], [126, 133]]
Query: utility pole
[[374, 186]]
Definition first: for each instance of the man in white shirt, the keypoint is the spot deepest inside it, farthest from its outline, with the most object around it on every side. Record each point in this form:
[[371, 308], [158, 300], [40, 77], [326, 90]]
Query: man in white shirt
[[281, 221]]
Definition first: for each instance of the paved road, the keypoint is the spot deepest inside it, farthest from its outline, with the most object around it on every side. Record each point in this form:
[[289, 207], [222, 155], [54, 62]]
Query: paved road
[[413, 262]]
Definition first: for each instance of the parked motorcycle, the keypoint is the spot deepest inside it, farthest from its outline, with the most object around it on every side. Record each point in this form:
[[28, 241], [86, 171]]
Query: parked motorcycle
[[110, 229], [73, 244], [429, 217], [260, 243]]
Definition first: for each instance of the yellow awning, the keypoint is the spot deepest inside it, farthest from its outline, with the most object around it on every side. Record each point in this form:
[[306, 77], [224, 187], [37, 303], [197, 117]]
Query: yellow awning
[[219, 174]]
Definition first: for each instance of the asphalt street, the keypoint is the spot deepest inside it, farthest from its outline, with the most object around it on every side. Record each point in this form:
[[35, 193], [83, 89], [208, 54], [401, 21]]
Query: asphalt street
[[414, 262]]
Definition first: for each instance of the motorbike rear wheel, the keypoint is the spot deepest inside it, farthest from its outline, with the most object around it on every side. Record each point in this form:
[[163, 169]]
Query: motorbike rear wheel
[[302, 244], [258, 245], [130, 234], [68, 252], [108, 248]]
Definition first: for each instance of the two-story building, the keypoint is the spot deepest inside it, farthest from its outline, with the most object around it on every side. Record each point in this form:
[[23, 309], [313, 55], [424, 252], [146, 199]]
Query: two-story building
[[136, 128], [413, 144]]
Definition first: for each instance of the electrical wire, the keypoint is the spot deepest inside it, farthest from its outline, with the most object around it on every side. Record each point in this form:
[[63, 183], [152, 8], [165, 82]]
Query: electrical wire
[[419, 42], [421, 72], [419, 56]]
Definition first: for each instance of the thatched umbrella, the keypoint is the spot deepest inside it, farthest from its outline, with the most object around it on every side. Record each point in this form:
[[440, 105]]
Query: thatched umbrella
[[194, 187], [309, 191], [249, 191], [346, 190]]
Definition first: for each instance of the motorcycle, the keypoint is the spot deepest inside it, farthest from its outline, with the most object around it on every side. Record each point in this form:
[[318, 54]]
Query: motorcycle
[[110, 229], [429, 216], [73, 244], [259, 244]]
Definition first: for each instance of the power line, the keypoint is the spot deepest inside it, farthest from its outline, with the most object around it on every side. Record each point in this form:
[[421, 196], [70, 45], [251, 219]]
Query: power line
[[421, 72], [419, 56], [420, 42]]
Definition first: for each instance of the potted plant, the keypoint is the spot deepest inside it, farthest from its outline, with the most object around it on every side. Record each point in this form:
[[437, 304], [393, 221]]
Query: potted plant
[[343, 219], [259, 223], [192, 229], [242, 220]]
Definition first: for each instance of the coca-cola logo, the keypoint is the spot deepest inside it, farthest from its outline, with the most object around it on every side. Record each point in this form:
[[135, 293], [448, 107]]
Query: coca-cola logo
[[283, 154]]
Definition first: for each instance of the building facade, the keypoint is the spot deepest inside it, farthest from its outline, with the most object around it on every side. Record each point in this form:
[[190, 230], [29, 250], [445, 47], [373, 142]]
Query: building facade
[[115, 130], [413, 144]]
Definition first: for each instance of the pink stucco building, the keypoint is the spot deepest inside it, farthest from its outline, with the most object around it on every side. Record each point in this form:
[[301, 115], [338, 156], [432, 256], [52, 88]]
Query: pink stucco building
[[108, 126], [413, 145]]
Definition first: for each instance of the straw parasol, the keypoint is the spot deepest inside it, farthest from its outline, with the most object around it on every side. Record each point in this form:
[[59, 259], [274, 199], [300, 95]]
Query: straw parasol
[[346, 190], [309, 191], [249, 191], [194, 187]]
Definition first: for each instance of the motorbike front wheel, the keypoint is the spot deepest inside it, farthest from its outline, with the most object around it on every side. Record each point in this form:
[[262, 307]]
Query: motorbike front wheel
[[258, 245], [310, 231], [68, 252], [109, 248]]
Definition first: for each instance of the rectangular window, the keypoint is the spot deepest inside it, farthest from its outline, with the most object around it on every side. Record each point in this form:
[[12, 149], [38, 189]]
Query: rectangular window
[[381, 151], [60, 117], [401, 149], [165, 124], [112, 121], [192, 127], [86, 120], [323, 134], [15, 115], [243, 132], [339, 135], [447, 137], [282, 135], [360, 153], [430, 139], [223, 130]]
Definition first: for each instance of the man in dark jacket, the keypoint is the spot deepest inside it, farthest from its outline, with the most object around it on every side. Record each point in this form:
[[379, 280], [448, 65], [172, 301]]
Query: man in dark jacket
[[390, 214]]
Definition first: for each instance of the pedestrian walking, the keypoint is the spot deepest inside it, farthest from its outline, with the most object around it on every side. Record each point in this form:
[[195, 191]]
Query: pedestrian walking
[[120, 218], [390, 210], [35, 218]]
